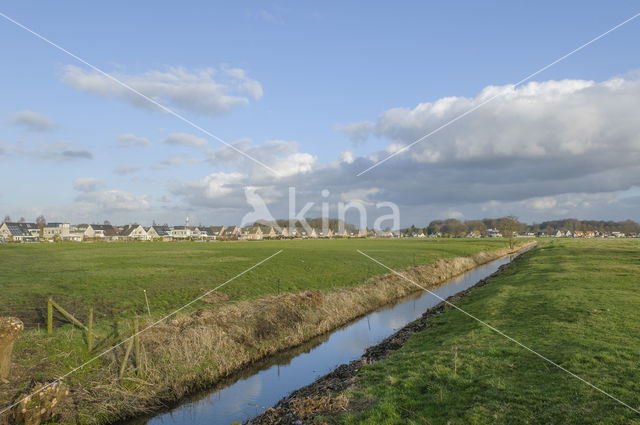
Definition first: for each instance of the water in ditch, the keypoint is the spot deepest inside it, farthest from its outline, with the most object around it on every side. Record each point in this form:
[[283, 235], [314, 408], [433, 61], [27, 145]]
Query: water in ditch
[[248, 393]]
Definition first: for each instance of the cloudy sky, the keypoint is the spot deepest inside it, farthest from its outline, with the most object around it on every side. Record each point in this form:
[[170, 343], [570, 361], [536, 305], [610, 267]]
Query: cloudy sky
[[309, 96]]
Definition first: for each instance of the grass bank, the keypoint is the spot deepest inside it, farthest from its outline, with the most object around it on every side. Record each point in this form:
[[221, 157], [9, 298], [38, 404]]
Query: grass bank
[[575, 302], [195, 350]]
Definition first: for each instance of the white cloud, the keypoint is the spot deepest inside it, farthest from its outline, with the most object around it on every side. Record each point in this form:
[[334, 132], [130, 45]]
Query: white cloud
[[87, 184], [185, 139], [357, 132], [347, 157], [173, 162], [538, 121], [114, 200], [127, 169], [61, 151], [207, 92], [544, 203], [216, 187], [129, 139], [360, 195], [280, 155], [33, 121], [295, 163]]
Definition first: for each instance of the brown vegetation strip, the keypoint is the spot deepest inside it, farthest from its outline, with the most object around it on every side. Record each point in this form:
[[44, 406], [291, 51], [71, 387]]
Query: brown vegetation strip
[[324, 396], [195, 351]]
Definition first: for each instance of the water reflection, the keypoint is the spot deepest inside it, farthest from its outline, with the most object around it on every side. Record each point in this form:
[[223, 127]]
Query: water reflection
[[246, 394]]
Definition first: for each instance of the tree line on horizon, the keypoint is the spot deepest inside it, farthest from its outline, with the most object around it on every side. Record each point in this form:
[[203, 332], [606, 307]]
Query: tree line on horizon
[[455, 227]]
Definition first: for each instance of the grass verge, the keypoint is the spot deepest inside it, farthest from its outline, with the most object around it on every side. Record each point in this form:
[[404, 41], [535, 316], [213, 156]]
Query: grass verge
[[574, 302]]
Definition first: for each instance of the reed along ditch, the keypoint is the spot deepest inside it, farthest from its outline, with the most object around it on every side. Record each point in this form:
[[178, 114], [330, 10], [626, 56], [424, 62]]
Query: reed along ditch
[[248, 393]]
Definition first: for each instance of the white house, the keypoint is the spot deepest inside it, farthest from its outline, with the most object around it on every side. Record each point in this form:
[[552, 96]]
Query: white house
[[53, 230], [133, 232], [99, 231]]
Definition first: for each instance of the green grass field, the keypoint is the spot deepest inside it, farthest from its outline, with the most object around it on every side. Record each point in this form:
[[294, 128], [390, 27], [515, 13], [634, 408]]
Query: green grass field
[[575, 302], [111, 276]]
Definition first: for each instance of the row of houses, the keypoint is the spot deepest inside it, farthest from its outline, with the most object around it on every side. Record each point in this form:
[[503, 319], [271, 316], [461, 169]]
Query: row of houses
[[31, 232]]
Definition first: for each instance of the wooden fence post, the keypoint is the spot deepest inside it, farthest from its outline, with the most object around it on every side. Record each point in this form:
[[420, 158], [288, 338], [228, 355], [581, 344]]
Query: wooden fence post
[[90, 331], [68, 315], [126, 358], [49, 317], [136, 342]]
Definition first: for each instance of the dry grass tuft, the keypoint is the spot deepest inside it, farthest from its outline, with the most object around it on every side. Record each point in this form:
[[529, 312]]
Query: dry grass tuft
[[214, 297]]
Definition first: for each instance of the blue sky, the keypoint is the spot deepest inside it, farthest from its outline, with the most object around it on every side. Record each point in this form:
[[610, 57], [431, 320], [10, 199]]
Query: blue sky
[[307, 69]]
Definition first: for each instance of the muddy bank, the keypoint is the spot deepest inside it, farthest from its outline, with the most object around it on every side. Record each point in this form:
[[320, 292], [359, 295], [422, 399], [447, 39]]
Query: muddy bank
[[324, 396], [195, 351]]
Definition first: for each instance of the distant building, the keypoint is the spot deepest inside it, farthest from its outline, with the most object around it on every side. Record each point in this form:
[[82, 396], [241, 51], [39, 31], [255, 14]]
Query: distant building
[[159, 232], [251, 233], [20, 232], [133, 232], [56, 230], [494, 233], [99, 231], [230, 233]]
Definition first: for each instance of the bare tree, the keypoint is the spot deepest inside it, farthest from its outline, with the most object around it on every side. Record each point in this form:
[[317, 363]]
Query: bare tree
[[41, 222], [107, 223], [508, 226], [21, 220], [7, 219]]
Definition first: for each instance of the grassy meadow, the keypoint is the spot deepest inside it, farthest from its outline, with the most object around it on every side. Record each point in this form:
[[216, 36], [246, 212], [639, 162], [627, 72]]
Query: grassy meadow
[[110, 277], [574, 301]]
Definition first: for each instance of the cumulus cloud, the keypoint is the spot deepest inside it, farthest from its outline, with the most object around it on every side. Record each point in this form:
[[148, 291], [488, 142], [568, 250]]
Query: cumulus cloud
[[87, 184], [539, 121], [177, 160], [61, 151], [221, 189], [185, 139], [75, 154], [357, 132], [122, 170], [359, 195], [280, 155], [128, 139], [115, 200], [33, 121], [346, 156], [208, 92], [535, 151]]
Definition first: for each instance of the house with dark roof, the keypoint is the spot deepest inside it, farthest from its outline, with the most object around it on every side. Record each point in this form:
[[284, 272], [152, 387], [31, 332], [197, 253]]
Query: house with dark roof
[[20, 232], [212, 232], [159, 232], [251, 233], [230, 233], [133, 232], [100, 231]]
